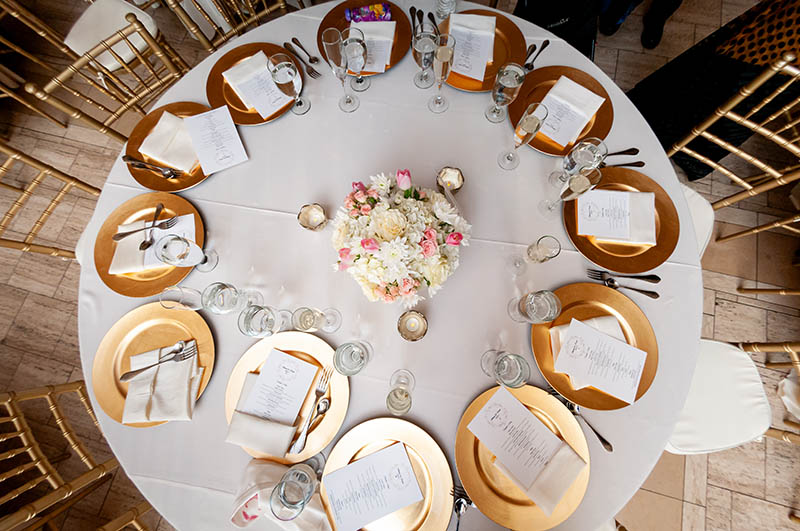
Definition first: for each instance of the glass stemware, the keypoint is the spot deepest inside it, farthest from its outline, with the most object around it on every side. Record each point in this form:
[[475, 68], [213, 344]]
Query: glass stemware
[[535, 307], [311, 319], [566, 187], [589, 153], [351, 357], [546, 248], [505, 368], [293, 492], [263, 321], [181, 298], [530, 123], [337, 60], [355, 49], [285, 75], [401, 384], [424, 46], [180, 252], [218, 297], [442, 61], [507, 85]]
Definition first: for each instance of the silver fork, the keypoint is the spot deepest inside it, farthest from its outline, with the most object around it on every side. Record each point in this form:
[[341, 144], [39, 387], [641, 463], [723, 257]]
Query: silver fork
[[322, 388], [166, 224], [184, 353], [311, 72], [596, 274], [461, 504], [575, 410]]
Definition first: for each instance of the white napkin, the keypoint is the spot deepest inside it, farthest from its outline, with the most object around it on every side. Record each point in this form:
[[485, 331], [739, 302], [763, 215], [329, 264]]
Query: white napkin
[[164, 392], [606, 324], [252, 501], [379, 37], [552, 483], [244, 70], [169, 143], [251, 81], [474, 35], [570, 106], [642, 220], [789, 391], [127, 256], [255, 432]]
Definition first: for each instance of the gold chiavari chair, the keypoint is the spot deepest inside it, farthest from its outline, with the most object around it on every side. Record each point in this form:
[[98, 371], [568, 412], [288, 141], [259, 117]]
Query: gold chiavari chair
[[9, 82], [14, 156], [791, 348], [108, 95], [26, 467]]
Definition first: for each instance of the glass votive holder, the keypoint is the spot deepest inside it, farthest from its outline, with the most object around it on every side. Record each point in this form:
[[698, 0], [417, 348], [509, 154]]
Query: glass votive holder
[[450, 178], [312, 217], [412, 325]]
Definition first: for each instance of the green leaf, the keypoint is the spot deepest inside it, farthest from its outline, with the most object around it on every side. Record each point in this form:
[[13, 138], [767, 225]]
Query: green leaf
[[416, 194], [372, 201], [407, 193]]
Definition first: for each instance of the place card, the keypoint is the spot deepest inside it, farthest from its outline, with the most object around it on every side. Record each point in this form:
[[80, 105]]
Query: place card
[[474, 35], [569, 106], [519, 440], [604, 214], [641, 218], [590, 357], [372, 487], [379, 38], [281, 388], [216, 140]]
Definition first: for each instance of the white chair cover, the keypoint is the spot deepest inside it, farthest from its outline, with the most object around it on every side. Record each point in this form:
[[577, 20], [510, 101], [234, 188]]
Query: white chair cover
[[702, 217], [610, 525], [726, 405]]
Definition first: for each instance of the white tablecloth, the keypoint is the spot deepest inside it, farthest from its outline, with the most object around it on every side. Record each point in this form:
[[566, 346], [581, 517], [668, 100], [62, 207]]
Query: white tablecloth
[[188, 472]]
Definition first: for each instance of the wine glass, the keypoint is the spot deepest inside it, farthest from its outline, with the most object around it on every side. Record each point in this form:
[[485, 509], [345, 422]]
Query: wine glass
[[507, 85], [337, 60], [311, 319], [442, 60], [222, 298], [293, 492], [287, 79], [535, 307], [424, 47], [530, 123], [401, 384], [180, 298], [588, 153], [180, 252], [568, 189], [355, 49], [351, 357], [544, 249], [263, 321], [505, 368]]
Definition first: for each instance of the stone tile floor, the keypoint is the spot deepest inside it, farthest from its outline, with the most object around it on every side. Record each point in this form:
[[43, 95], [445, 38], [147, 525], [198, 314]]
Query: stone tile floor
[[748, 488]]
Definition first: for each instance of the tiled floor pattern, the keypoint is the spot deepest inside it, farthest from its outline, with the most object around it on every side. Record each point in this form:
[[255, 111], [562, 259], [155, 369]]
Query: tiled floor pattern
[[744, 489]]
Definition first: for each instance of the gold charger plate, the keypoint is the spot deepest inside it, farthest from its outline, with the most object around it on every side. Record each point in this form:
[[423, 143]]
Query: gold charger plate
[[582, 301], [143, 329], [308, 348], [626, 257], [219, 93], [402, 32], [142, 207], [492, 491], [509, 47], [538, 83], [430, 465], [153, 180]]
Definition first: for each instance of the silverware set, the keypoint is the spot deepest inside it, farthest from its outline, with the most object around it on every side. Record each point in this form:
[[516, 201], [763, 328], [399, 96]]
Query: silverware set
[[529, 65], [321, 406], [167, 173], [575, 410], [418, 17], [461, 504], [629, 151], [311, 71], [609, 280], [178, 352], [163, 225], [150, 240]]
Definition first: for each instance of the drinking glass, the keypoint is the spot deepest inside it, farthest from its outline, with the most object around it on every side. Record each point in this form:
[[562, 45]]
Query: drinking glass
[[287, 78], [181, 298], [401, 384], [263, 321], [351, 357], [530, 123], [425, 39], [180, 252], [442, 60], [545, 248], [535, 307], [589, 153], [567, 189], [337, 60], [506, 368], [222, 298], [355, 49], [507, 85], [310, 319], [293, 492]]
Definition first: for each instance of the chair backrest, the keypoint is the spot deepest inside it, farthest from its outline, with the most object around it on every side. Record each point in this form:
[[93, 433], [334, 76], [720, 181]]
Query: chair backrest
[[110, 92], [14, 156]]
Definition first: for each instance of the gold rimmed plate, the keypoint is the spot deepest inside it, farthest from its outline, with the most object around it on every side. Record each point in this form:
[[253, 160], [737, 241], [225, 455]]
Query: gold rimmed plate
[[402, 30], [509, 47], [143, 329], [430, 465], [219, 92], [141, 208], [153, 180], [494, 493], [315, 351], [584, 301], [629, 258], [538, 83]]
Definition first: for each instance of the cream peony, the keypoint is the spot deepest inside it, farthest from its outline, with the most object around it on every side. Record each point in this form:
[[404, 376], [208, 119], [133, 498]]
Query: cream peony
[[388, 224], [436, 270]]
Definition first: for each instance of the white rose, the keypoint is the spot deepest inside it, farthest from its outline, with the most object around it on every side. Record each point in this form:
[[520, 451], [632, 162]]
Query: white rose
[[340, 235], [436, 270], [443, 209], [388, 224]]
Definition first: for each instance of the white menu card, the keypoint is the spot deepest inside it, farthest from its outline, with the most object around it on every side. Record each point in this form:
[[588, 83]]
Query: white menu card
[[604, 214], [474, 35], [379, 38], [593, 358], [641, 209], [281, 388], [519, 440], [372, 487], [216, 140], [570, 106], [251, 81]]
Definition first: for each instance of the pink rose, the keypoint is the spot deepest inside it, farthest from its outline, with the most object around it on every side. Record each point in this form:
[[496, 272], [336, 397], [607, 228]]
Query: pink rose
[[358, 186], [430, 234], [369, 244], [403, 179], [387, 298], [344, 254], [429, 248], [407, 287], [343, 266], [454, 238], [394, 291], [365, 209], [360, 196], [373, 193], [422, 195], [349, 204], [353, 213]]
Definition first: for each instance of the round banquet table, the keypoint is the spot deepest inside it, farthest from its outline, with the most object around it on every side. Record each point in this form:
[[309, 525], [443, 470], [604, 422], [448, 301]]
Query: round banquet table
[[189, 473]]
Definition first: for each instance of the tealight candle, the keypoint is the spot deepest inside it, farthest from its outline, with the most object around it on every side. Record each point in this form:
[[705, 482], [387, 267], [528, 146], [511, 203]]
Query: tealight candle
[[412, 325], [450, 178], [312, 217]]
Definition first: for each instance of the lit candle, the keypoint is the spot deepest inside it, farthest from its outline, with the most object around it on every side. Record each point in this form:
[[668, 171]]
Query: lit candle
[[312, 217], [451, 178], [412, 325]]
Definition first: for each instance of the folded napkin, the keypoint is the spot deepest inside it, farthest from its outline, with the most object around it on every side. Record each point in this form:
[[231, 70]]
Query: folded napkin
[[606, 324], [252, 501], [164, 392], [642, 220], [244, 70], [379, 38], [169, 143], [255, 432], [789, 391], [552, 483], [569, 108], [251, 81], [474, 35], [127, 256]]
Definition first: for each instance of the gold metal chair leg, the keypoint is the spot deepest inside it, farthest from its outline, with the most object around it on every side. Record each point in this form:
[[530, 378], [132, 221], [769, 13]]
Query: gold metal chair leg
[[761, 228], [769, 291]]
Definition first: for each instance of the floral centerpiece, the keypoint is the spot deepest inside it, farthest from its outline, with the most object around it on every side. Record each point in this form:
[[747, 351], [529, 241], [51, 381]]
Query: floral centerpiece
[[393, 238]]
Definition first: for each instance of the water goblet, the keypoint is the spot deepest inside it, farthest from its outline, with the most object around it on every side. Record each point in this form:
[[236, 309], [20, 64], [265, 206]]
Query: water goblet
[[263, 321], [351, 357], [530, 123], [507, 85], [222, 298], [337, 60], [568, 189], [180, 252], [505, 368], [355, 49], [424, 46], [545, 248], [285, 74], [307, 319], [401, 384], [535, 307], [292, 493], [442, 61], [180, 298], [589, 153]]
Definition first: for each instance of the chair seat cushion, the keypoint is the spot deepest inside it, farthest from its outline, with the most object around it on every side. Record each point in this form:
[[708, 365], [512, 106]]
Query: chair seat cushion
[[702, 217], [726, 405], [99, 21]]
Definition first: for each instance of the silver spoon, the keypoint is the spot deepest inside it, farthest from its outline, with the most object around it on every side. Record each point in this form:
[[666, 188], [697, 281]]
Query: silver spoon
[[150, 241], [545, 44], [529, 66], [612, 283], [311, 58]]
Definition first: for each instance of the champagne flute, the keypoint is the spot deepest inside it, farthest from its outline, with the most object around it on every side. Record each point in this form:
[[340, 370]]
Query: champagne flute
[[575, 185], [337, 60], [355, 49], [424, 48], [526, 129], [442, 60], [287, 79], [546, 248], [401, 385], [507, 85]]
